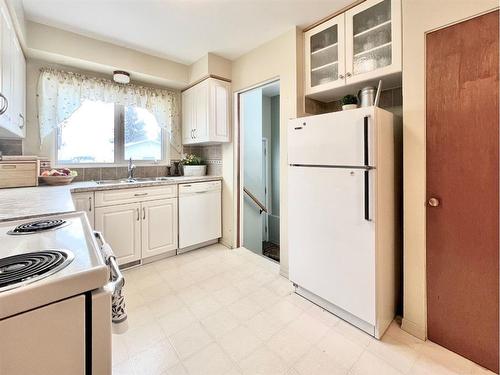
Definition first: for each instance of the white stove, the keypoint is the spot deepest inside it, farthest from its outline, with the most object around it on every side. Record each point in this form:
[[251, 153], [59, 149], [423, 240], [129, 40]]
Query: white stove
[[56, 281]]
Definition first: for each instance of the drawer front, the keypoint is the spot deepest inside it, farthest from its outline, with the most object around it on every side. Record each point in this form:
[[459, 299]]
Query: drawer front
[[120, 196], [18, 174]]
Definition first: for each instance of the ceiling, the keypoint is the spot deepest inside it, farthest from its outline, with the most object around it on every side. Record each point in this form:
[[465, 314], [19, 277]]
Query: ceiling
[[181, 30]]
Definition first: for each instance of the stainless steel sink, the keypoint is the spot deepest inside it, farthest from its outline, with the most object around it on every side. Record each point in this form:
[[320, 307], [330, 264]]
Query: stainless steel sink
[[114, 182], [152, 179], [133, 180]]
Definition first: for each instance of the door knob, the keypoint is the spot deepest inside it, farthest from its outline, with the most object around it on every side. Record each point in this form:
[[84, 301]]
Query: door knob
[[433, 202]]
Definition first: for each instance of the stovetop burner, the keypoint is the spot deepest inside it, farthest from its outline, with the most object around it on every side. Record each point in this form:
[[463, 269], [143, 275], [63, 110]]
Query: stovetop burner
[[37, 226], [26, 268]]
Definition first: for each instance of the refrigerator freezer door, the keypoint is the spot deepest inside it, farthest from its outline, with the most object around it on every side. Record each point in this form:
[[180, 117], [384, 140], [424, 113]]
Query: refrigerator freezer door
[[331, 244], [332, 139]]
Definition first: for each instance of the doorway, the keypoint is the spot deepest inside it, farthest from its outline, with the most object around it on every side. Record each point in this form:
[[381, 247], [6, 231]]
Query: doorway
[[259, 149], [462, 188]]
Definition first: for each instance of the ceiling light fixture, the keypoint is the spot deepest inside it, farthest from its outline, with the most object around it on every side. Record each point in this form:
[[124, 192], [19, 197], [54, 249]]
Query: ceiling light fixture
[[121, 76]]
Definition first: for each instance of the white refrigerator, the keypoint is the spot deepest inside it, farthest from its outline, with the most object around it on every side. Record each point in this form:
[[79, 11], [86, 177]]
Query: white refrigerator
[[342, 207]]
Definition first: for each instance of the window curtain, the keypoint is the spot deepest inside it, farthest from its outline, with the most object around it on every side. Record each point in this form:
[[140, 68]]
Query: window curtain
[[61, 93]]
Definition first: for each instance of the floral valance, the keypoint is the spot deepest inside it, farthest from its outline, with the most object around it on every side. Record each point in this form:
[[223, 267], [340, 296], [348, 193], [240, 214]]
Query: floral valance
[[61, 93]]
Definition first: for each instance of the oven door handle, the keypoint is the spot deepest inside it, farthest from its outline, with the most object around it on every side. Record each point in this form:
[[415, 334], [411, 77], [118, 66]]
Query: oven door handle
[[116, 277]]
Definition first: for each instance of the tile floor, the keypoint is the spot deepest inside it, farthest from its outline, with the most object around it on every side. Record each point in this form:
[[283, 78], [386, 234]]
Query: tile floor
[[216, 311]]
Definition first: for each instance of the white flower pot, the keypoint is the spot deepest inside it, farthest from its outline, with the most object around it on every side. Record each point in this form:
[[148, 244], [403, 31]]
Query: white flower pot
[[349, 106], [194, 170]]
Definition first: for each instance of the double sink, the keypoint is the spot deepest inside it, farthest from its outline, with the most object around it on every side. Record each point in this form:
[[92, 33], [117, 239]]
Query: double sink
[[134, 180]]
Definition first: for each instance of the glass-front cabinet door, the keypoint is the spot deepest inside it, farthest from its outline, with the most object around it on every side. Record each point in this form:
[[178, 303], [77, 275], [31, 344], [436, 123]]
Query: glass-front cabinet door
[[373, 40], [324, 56]]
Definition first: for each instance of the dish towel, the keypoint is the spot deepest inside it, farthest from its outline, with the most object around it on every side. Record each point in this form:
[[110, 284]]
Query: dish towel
[[118, 313]]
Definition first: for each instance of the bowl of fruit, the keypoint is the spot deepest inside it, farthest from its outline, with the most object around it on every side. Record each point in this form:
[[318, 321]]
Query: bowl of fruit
[[62, 176]]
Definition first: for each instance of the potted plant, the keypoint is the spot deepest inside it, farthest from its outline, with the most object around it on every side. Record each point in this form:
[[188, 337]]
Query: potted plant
[[349, 102], [193, 165]]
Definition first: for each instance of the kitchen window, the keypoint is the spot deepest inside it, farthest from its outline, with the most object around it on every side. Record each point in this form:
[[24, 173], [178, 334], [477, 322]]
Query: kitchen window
[[86, 120], [107, 133]]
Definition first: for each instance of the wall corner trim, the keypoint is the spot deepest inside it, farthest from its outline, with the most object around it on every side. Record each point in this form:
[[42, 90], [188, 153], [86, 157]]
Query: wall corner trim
[[414, 329]]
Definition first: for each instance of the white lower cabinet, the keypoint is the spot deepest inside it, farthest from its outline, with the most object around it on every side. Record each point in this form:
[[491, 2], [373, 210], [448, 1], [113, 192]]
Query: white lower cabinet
[[139, 230], [143, 223], [121, 226], [159, 227], [85, 202]]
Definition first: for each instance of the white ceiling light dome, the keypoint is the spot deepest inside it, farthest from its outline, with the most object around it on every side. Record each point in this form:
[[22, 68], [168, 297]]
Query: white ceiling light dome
[[120, 76]]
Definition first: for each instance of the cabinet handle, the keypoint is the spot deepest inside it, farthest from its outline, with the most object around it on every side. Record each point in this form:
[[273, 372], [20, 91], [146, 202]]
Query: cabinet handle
[[341, 76], [21, 125], [90, 204], [140, 194], [348, 75], [138, 215], [5, 104], [195, 135], [144, 213]]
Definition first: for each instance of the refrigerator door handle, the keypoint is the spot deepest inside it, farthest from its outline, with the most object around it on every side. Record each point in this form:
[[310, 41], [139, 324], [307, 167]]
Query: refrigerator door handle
[[365, 141], [367, 195]]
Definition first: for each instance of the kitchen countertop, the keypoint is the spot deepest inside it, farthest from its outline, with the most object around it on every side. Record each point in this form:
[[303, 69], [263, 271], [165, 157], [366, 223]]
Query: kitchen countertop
[[29, 202]]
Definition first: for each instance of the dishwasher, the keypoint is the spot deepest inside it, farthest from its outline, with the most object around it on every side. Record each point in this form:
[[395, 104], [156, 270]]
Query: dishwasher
[[200, 216]]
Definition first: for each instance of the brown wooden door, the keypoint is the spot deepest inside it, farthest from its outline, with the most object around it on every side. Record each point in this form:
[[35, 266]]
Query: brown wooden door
[[462, 173]]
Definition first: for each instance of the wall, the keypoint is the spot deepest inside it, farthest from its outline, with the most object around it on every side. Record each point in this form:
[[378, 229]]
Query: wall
[[63, 47], [198, 69], [210, 64], [280, 58], [419, 17], [274, 218], [267, 134]]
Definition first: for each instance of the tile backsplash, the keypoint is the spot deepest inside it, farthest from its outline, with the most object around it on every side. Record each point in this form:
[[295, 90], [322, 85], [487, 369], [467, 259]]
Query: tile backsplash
[[212, 155], [11, 146], [113, 173]]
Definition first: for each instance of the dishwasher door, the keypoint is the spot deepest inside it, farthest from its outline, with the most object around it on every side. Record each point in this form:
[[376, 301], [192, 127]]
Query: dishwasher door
[[200, 216]]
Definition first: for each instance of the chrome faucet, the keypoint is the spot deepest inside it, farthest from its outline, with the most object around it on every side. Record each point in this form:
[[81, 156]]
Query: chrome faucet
[[130, 169]]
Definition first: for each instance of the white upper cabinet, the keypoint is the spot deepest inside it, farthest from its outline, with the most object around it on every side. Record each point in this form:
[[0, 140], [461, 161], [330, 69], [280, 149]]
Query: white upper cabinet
[[205, 112], [373, 40], [13, 79], [325, 56], [361, 45], [19, 90], [187, 116]]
